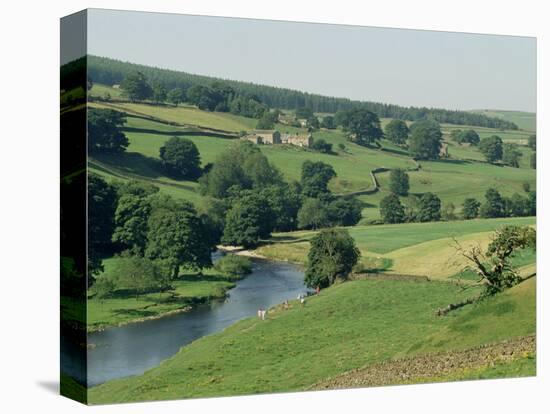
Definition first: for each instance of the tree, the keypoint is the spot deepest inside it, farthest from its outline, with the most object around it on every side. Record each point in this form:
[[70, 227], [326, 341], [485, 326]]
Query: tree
[[425, 140], [331, 256], [344, 211], [397, 131], [248, 220], [312, 214], [177, 236], [313, 123], [328, 122], [533, 160], [494, 267], [102, 199], [448, 212], [159, 93], [494, 205], [315, 178], [180, 158], [284, 201], [470, 208], [430, 208], [517, 206], [399, 182], [131, 217], [511, 155], [532, 142], [136, 87], [468, 136], [104, 134], [322, 146], [391, 209], [267, 121], [303, 113], [491, 148], [176, 96], [242, 166], [141, 275], [362, 126], [103, 287]]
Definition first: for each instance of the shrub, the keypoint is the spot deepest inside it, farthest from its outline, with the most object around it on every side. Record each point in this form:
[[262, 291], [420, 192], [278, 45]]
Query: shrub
[[233, 265]]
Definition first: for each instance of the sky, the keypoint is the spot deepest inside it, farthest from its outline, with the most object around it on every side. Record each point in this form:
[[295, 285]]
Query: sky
[[404, 67]]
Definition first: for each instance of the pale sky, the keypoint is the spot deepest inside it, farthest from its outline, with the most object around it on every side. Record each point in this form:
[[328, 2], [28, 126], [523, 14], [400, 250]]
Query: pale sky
[[404, 67]]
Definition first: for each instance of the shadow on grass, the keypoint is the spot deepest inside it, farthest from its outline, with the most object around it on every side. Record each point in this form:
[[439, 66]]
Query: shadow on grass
[[132, 163]]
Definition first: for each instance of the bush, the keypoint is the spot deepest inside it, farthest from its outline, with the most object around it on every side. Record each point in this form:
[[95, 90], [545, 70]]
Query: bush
[[233, 265]]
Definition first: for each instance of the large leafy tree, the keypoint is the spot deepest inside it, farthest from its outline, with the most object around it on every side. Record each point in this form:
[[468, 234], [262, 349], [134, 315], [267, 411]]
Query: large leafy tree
[[131, 218], [176, 96], [344, 211], [470, 208], [284, 201], [425, 140], [511, 155], [313, 214], [331, 256], [362, 126], [429, 209], [177, 236], [397, 131], [104, 131], [248, 220], [494, 205], [491, 147], [102, 199], [136, 87], [315, 178], [181, 158], [241, 166], [391, 209], [399, 182]]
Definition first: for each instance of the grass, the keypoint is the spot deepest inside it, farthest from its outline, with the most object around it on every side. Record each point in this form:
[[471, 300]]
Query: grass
[[452, 180], [419, 249], [347, 326], [524, 120], [124, 307], [510, 314]]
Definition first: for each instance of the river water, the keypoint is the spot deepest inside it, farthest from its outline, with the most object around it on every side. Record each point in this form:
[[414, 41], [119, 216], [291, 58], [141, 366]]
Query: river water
[[135, 348]]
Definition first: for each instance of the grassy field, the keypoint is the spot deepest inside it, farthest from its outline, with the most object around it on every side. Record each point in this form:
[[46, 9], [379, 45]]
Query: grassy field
[[391, 240], [524, 120], [452, 180], [125, 307], [347, 326]]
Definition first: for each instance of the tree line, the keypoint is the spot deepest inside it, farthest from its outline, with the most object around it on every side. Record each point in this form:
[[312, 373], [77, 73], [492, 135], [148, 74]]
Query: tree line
[[428, 206], [110, 71]]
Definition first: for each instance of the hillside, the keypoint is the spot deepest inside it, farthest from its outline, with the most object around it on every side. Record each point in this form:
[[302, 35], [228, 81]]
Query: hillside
[[348, 326], [110, 71], [420, 249], [524, 120], [149, 126]]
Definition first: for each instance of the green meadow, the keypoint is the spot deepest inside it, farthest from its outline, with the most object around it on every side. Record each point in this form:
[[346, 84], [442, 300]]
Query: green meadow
[[347, 326], [464, 175], [351, 324]]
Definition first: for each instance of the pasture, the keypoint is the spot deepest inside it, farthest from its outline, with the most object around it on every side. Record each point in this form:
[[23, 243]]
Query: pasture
[[464, 175], [347, 326]]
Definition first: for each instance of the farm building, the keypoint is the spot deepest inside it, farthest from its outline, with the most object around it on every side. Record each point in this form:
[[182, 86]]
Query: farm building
[[300, 140], [264, 137]]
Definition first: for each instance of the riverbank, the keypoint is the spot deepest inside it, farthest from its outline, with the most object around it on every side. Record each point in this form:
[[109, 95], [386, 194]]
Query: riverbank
[[124, 307], [345, 327]]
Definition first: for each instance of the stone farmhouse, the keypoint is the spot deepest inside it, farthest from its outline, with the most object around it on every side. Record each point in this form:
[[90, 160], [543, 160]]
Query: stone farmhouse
[[300, 140], [272, 137], [264, 136]]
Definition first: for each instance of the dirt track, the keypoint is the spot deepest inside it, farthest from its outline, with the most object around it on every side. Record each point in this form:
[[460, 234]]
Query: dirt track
[[430, 365]]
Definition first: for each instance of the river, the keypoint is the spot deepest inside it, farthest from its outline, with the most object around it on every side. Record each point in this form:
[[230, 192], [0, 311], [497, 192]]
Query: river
[[134, 348]]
